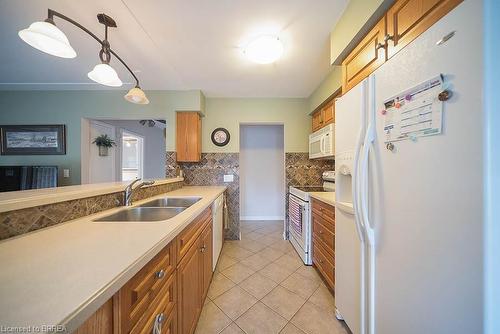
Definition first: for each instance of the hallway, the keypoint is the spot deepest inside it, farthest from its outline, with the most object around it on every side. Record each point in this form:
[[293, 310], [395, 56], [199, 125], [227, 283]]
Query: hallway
[[261, 286]]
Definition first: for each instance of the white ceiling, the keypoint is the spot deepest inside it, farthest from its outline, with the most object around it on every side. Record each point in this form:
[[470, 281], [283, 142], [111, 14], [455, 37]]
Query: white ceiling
[[183, 44]]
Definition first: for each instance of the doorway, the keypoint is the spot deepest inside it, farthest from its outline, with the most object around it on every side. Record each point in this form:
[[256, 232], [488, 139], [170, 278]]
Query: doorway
[[132, 156], [262, 172]]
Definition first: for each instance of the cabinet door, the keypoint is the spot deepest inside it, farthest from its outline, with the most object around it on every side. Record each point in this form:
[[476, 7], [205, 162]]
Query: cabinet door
[[188, 137], [365, 58], [316, 121], [101, 322], [407, 19], [189, 290], [206, 245], [329, 113]]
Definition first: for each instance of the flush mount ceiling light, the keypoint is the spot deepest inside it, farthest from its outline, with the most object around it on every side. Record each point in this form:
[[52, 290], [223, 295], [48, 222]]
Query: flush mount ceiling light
[[264, 49], [46, 37]]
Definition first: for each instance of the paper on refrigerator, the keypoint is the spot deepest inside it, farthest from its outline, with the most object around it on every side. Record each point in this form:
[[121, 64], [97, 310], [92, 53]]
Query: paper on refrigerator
[[415, 112]]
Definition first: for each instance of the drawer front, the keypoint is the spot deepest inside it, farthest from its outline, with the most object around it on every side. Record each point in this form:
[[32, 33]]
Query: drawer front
[[323, 235], [188, 236], [323, 264], [326, 213], [140, 291], [164, 307]]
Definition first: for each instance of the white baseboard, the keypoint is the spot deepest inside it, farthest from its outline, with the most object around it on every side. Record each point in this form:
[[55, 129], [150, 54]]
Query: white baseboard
[[262, 217]]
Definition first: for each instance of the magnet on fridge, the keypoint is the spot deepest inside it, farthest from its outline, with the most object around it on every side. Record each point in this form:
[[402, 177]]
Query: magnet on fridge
[[413, 138], [383, 112], [397, 105], [408, 97]]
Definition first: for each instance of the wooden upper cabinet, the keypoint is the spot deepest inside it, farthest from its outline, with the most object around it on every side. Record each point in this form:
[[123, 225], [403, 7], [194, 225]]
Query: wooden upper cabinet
[[324, 116], [403, 22], [407, 19], [316, 121], [329, 113], [188, 138], [365, 58]]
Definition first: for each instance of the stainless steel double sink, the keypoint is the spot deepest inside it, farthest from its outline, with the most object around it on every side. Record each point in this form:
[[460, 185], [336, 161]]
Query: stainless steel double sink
[[156, 210]]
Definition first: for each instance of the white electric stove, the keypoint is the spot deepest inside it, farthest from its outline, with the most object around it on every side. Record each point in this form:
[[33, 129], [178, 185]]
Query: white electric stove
[[299, 215]]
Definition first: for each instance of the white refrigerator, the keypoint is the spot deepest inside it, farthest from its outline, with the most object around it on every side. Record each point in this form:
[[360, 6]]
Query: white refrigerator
[[409, 260]]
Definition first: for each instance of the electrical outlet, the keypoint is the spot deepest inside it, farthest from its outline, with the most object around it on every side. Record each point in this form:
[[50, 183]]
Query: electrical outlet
[[66, 173], [229, 178]]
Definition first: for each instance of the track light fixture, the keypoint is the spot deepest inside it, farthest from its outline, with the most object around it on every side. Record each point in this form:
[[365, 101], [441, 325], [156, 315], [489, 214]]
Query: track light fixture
[[47, 37]]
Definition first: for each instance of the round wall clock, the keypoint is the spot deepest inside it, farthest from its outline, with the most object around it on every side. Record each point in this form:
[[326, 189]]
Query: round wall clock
[[220, 137]]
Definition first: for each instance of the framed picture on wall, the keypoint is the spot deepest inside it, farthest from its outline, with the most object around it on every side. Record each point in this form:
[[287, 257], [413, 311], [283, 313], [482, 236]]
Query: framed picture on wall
[[33, 139]]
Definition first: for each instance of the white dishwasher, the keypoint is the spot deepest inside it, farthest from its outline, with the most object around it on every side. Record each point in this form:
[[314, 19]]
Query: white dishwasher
[[218, 228]]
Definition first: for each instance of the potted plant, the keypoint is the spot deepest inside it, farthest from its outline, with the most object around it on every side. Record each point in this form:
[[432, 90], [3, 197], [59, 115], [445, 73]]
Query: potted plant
[[104, 143]]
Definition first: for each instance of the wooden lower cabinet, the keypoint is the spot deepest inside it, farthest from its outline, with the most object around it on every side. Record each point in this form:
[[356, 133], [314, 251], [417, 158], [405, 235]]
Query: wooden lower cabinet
[[323, 231], [206, 242], [101, 322], [189, 278], [168, 292]]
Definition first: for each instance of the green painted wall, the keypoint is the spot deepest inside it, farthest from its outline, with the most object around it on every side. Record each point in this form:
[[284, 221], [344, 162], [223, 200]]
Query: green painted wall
[[327, 87], [69, 107], [230, 112], [357, 15]]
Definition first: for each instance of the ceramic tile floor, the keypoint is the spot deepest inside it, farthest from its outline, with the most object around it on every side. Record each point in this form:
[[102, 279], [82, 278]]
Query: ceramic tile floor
[[261, 286]]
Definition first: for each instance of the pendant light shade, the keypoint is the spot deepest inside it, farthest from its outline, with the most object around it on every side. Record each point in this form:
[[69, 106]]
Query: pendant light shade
[[46, 37], [105, 75], [136, 95]]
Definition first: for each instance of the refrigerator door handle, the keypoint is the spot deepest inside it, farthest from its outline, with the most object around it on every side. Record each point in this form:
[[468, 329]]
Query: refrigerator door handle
[[355, 189], [369, 138], [358, 218], [369, 228]]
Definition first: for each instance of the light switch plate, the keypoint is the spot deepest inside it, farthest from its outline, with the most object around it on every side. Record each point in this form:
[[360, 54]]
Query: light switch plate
[[229, 178]]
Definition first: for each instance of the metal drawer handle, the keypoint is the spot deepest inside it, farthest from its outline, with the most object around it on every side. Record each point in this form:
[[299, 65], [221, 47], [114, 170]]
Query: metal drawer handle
[[159, 319], [388, 38], [160, 274], [380, 46], [202, 249]]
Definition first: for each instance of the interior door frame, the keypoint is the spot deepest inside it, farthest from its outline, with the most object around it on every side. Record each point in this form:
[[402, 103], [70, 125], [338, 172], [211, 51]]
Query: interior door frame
[[282, 124], [119, 164]]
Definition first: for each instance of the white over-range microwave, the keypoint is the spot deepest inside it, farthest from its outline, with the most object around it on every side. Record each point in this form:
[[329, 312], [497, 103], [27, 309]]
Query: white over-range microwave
[[322, 143]]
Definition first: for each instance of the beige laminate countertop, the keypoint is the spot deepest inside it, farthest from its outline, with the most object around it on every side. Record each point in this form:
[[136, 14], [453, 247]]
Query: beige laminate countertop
[[15, 200], [325, 197], [63, 274]]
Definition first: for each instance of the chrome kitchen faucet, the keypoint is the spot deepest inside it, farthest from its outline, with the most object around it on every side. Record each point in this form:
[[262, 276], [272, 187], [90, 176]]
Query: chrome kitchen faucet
[[129, 190]]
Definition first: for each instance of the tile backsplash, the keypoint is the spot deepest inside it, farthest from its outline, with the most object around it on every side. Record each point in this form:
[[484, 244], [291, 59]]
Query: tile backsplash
[[17, 222], [210, 171], [300, 171]]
